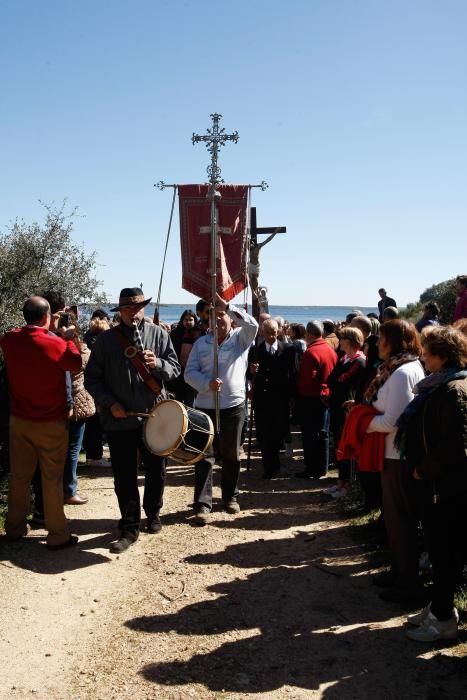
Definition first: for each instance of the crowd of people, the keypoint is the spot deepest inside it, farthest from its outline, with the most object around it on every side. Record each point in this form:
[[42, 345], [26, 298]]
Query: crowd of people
[[382, 399]]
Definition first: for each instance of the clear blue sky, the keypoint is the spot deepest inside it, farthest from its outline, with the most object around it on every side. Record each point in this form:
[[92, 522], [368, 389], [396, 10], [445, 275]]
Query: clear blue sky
[[354, 111]]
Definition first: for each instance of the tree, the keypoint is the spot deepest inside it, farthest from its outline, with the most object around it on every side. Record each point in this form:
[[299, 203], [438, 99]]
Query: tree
[[444, 293], [35, 257]]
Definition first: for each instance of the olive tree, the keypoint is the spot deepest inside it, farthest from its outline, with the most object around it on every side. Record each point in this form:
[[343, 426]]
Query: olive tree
[[39, 256]]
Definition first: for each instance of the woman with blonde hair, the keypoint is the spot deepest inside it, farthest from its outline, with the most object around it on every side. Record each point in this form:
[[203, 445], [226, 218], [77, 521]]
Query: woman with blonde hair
[[344, 382]]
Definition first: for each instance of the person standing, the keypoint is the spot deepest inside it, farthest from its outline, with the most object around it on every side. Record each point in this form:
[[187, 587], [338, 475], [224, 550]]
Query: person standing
[[122, 378], [461, 304], [384, 302], [273, 381], [316, 365], [234, 344], [36, 362], [389, 393]]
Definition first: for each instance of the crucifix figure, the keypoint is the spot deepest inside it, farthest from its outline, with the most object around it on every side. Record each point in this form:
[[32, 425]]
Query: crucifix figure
[[259, 294]]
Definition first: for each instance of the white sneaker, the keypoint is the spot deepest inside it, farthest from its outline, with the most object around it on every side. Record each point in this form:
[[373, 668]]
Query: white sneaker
[[98, 462], [417, 619], [288, 450], [433, 629]]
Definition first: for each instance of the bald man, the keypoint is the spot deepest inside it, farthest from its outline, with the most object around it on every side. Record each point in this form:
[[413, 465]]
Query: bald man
[[36, 361]]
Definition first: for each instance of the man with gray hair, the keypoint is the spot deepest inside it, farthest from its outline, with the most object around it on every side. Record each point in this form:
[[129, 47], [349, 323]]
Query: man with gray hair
[[274, 375], [316, 365]]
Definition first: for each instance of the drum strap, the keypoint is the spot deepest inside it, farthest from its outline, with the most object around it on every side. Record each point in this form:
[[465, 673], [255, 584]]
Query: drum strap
[[131, 354]]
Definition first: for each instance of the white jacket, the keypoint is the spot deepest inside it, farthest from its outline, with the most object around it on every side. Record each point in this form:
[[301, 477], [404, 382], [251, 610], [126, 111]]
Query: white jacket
[[233, 362], [392, 399]]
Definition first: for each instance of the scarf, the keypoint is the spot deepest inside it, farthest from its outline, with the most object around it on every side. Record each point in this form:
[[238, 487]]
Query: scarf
[[384, 372], [422, 391]]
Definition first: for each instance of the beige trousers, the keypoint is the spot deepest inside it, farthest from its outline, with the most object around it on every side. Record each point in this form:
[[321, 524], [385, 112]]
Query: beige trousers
[[32, 442]]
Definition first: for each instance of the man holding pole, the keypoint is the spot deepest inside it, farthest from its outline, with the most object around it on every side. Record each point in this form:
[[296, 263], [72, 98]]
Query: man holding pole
[[229, 387]]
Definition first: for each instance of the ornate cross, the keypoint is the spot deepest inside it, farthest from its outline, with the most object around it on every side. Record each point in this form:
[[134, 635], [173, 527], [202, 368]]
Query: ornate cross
[[214, 139]]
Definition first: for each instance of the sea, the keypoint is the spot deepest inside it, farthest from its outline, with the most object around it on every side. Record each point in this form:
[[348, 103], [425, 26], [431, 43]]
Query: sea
[[170, 313]]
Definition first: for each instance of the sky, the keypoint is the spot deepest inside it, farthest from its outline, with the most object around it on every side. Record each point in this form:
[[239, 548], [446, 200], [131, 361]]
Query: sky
[[353, 111]]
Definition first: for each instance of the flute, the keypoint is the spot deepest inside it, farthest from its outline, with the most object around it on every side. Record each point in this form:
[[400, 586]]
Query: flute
[[137, 338]]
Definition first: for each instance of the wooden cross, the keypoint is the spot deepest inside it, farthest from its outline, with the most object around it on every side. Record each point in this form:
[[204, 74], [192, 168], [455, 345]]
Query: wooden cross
[[259, 298]]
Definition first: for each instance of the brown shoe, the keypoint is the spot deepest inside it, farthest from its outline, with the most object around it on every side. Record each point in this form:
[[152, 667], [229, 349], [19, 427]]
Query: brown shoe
[[75, 500]]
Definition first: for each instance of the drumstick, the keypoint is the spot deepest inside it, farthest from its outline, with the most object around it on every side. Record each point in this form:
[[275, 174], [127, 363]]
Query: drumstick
[[138, 414]]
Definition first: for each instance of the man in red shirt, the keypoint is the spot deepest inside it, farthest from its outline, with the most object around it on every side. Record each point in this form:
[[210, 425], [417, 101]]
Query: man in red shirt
[[36, 361], [316, 365]]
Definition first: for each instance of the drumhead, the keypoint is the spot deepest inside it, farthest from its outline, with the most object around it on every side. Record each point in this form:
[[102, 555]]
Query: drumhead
[[166, 426]]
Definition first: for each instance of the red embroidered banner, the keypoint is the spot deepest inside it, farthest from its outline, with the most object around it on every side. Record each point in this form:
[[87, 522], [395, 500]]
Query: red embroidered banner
[[195, 239]]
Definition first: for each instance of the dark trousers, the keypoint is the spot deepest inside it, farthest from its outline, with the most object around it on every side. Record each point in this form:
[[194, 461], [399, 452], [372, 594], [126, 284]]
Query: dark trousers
[[228, 445], [337, 424], [311, 414], [401, 520], [92, 440], [271, 418], [444, 525], [124, 446]]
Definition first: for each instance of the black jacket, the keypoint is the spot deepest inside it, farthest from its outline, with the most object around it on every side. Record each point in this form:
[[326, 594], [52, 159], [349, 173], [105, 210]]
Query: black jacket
[[110, 377], [276, 373], [437, 438]]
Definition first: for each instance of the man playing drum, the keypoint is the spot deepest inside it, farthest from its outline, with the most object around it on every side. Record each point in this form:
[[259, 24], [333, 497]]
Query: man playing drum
[[126, 373], [234, 344]]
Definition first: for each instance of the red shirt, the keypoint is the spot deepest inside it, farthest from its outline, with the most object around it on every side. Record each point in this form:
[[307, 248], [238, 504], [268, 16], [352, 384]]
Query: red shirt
[[36, 361], [316, 365]]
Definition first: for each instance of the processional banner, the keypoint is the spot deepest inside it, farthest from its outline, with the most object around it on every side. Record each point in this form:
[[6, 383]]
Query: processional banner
[[195, 239]]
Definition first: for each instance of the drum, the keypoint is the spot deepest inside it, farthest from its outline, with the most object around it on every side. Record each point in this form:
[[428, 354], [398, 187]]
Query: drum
[[179, 432]]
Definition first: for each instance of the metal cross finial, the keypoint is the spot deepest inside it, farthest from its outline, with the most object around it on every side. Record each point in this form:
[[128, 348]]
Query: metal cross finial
[[214, 139]]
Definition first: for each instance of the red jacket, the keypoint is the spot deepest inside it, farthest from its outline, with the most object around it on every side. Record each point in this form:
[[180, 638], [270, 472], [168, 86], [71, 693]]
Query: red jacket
[[36, 361], [355, 443], [316, 365]]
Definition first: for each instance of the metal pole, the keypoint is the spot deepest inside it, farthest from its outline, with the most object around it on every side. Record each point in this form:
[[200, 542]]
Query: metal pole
[[214, 195]]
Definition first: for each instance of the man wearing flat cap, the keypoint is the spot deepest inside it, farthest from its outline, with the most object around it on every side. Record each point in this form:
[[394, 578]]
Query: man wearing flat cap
[[126, 373]]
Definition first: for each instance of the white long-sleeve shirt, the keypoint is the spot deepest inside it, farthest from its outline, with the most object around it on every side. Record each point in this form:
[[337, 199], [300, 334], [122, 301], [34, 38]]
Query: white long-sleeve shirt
[[232, 358], [392, 400]]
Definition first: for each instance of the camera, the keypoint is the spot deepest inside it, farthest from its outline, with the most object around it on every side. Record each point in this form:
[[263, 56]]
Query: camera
[[64, 320]]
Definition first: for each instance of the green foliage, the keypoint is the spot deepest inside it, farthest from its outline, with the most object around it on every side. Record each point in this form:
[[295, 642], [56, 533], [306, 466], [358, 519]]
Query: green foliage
[[412, 312], [37, 257], [444, 293]]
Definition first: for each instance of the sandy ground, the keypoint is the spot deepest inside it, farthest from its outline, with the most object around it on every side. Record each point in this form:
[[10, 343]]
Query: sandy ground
[[272, 603]]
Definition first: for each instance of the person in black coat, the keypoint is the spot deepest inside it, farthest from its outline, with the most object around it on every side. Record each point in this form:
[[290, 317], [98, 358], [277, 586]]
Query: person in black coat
[[273, 381], [384, 302], [433, 439]]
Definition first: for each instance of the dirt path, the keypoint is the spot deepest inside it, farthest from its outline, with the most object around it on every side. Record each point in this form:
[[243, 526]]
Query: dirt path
[[273, 603]]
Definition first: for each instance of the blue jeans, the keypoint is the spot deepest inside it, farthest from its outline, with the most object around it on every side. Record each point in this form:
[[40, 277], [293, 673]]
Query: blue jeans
[[75, 440]]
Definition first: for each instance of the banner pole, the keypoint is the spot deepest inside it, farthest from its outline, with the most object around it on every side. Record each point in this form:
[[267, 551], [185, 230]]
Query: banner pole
[[214, 195]]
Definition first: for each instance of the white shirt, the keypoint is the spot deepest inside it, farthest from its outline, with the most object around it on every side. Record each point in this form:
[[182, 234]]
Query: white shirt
[[392, 399], [274, 347], [232, 358]]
